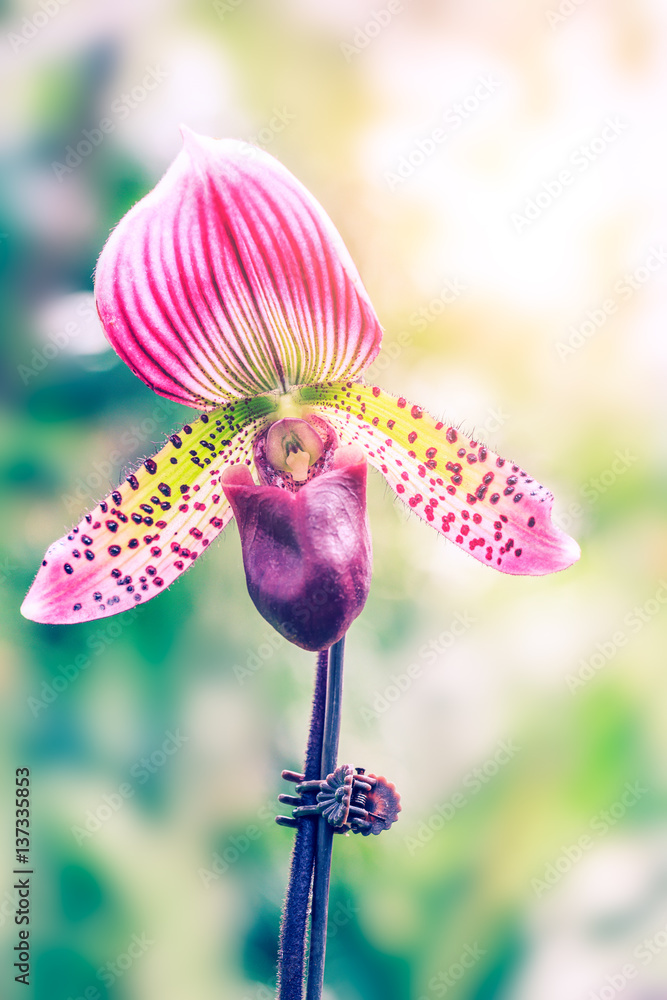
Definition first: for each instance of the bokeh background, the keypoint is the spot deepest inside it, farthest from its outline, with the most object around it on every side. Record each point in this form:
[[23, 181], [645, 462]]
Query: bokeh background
[[523, 720]]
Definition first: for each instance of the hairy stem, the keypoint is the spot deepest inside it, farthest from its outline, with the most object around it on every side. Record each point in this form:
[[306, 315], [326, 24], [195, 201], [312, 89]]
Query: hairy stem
[[292, 946], [318, 931]]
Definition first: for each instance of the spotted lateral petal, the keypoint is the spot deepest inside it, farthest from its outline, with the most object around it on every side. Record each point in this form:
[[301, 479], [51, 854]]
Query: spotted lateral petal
[[152, 528], [484, 503], [229, 280]]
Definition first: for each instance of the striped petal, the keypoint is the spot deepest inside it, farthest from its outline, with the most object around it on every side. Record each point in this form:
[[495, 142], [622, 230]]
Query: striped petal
[[152, 528], [229, 280], [485, 504]]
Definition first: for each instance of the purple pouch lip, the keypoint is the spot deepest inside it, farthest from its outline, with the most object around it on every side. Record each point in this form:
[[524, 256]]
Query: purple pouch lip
[[306, 555]]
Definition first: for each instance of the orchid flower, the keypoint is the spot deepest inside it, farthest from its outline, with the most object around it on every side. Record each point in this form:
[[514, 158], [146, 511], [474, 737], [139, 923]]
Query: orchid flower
[[228, 289]]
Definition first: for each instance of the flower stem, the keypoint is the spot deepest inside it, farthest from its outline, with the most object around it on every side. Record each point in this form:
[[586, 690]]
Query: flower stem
[[318, 931], [292, 947]]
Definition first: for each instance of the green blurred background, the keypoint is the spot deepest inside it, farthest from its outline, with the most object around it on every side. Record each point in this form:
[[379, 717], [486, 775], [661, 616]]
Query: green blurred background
[[529, 740]]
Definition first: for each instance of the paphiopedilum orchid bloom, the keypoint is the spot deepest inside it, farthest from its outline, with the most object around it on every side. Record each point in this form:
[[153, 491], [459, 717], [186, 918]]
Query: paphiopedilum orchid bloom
[[227, 288]]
